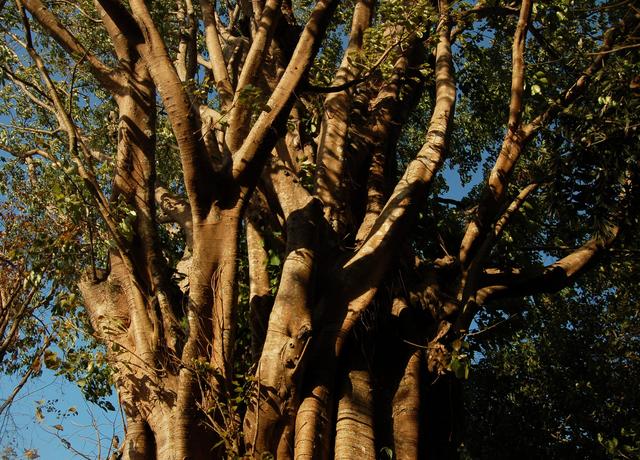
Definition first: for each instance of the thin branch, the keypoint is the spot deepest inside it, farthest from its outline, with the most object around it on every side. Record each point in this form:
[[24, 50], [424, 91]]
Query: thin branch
[[34, 366], [513, 208], [356, 81], [103, 73], [72, 83], [615, 50], [28, 129], [68, 125], [24, 85], [511, 146], [621, 251], [576, 90], [491, 327], [450, 201], [479, 10]]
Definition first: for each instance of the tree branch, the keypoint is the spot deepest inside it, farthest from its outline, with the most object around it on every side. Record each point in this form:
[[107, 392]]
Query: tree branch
[[121, 27], [298, 65], [551, 278], [104, 74], [187, 56], [331, 184], [24, 85], [33, 368], [511, 146], [479, 10], [240, 113], [216, 56], [377, 250], [197, 169]]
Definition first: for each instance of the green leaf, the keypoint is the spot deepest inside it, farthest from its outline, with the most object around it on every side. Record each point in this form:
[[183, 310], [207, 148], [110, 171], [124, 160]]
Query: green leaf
[[107, 406], [386, 453], [274, 260], [51, 360]]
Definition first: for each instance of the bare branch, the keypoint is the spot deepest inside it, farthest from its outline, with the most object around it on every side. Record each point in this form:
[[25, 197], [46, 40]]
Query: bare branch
[[377, 249], [551, 278], [298, 65], [216, 57], [197, 170], [511, 146], [186, 58], [469, 283], [67, 123], [239, 115], [121, 27], [331, 185]]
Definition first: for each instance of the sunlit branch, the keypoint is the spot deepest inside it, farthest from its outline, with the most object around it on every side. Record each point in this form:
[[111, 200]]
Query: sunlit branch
[[239, 112], [216, 59], [331, 177], [103, 73], [376, 250], [196, 166], [298, 65], [186, 58], [511, 146]]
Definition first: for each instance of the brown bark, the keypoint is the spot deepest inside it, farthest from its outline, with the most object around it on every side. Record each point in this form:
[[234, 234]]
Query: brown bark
[[216, 54], [288, 334], [406, 409], [355, 438], [332, 182], [512, 145], [406, 405], [240, 113], [260, 299]]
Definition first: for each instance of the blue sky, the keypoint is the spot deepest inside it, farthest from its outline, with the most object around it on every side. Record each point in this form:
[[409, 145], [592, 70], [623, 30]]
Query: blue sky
[[82, 427]]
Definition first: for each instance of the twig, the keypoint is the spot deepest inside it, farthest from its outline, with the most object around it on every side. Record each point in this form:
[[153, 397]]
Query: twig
[[635, 45], [494, 325]]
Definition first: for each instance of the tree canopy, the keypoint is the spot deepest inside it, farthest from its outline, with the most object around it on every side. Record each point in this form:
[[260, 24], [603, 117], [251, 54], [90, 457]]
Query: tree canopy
[[245, 216]]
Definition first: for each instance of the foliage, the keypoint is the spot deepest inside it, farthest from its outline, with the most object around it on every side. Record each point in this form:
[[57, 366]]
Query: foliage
[[559, 379], [549, 375]]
